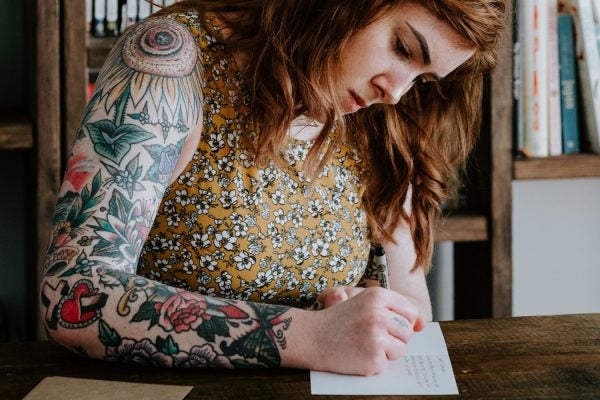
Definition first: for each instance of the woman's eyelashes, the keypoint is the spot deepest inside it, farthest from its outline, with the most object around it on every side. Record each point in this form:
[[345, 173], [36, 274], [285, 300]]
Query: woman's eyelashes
[[402, 48]]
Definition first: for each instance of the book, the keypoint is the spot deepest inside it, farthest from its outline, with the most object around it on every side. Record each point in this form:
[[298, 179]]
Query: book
[[588, 66], [89, 12], [112, 17], [132, 12], [534, 77], [144, 10], [554, 114], [596, 6], [519, 123], [99, 18], [123, 17], [568, 84]]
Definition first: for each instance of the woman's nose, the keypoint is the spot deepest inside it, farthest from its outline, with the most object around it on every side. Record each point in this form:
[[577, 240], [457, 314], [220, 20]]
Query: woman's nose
[[392, 88]]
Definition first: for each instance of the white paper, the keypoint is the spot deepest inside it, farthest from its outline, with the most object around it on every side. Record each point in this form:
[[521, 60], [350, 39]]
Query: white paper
[[425, 369]]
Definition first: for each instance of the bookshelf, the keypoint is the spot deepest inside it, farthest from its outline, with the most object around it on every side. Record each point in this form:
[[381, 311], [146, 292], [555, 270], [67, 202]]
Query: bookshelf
[[569, 28], [578, 80], [43, 57], [481, 234], [561, 167], [97, 51], [462, 228], [483, 269], [16, 132]]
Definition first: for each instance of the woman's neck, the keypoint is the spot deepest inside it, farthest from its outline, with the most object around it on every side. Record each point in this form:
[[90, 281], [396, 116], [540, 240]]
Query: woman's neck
[[305, 128]]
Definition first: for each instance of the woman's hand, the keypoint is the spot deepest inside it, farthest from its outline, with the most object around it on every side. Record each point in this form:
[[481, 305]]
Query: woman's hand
[[361, 335], [335, 295]]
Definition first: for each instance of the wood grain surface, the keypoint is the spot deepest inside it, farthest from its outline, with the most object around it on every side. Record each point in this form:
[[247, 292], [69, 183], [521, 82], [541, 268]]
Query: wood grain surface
[[555, 357]]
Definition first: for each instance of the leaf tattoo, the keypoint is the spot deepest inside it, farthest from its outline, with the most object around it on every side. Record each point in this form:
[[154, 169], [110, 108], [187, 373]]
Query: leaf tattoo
[[114, 142], [127, 179], [123, 231]]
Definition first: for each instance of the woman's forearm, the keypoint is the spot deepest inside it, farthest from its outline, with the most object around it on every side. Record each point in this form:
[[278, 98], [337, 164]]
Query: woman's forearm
[[117, 316]]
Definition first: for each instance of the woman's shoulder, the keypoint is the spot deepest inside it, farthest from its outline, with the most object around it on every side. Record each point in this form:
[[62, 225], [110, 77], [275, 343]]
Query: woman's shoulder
[[158, 64], [173, 31], [168, 45]]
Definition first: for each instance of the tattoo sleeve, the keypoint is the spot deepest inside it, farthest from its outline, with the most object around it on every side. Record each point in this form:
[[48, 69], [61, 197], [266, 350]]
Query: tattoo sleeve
[[147, 100]]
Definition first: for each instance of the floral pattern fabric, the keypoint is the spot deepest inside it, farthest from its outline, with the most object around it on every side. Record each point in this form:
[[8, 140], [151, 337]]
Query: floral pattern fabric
[[229, 228]]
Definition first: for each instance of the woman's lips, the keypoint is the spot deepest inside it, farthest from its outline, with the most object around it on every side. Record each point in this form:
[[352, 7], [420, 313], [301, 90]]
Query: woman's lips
[[358, 100]]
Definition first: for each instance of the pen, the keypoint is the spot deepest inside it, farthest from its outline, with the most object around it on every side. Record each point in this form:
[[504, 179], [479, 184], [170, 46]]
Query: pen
[[380, 263]]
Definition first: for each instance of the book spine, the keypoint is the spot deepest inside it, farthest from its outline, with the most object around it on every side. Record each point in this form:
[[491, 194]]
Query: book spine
[[112, 17], [554, 115], [568, 84], [99, 17], [143, 9], [123, 16], [535, 77], [519, 123], [596, 5], [132, 12], [89, 13], [588, 64]]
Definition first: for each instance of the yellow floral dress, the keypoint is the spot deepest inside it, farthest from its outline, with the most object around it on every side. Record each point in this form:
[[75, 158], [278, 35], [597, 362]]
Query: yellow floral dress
[[229, 228]]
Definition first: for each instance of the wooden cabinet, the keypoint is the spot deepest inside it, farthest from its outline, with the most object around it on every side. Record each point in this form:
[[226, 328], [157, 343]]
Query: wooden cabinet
[[483, 270], [35, 129], [16, 132], [561, 167]]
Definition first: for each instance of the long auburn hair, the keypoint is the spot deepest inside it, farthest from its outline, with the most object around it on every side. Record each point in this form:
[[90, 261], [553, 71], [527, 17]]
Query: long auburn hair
[[293, 55]]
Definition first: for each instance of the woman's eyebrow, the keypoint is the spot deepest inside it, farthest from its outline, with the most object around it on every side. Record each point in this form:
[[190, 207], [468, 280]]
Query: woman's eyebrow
[[423, 43]]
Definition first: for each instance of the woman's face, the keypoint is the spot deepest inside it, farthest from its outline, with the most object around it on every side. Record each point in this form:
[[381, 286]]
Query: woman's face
[[381, 62]]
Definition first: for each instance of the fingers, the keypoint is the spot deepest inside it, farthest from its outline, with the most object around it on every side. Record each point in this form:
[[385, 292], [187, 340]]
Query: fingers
[[396, 351], [419, 324], [335, 295], [405, 309], [398, 304], [365, 329], [401, 318], [332, 296], [400, 330]]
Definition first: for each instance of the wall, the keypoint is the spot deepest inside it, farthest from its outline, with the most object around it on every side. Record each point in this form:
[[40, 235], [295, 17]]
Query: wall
[[556, 246], [12, 174]]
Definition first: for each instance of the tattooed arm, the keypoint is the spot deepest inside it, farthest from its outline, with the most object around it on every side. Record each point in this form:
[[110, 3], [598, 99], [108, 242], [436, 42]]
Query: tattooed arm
[[144, 114]]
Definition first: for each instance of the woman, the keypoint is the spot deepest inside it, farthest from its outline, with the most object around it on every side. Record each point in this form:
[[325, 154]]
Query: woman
[[236, 164]]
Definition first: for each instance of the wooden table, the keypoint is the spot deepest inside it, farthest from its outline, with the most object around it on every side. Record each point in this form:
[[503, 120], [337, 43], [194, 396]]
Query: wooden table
[[554, 357]]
